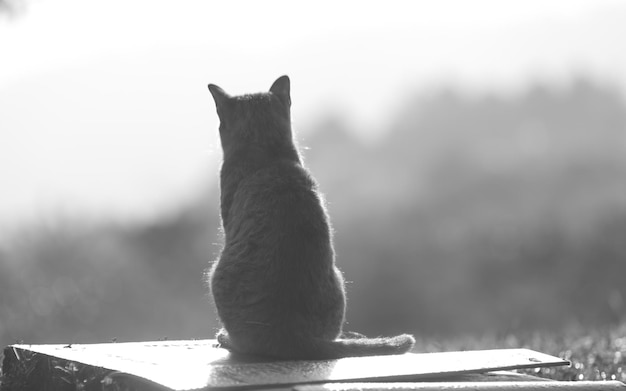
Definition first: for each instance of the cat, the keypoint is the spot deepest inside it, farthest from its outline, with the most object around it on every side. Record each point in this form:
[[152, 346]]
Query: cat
[[275, 285]]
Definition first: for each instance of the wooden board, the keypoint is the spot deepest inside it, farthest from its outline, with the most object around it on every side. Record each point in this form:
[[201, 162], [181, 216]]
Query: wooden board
[[190, 365], [471, 386]]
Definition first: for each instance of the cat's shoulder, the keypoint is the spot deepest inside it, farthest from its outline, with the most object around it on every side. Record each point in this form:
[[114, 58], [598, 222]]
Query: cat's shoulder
[[281, 176]]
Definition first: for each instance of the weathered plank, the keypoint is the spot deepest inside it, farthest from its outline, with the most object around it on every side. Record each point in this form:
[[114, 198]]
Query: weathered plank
[[190, 365], [470, 386]]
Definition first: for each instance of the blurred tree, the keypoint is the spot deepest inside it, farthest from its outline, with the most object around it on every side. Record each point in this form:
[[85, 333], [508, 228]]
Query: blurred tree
[[11, 7], [491, 210]]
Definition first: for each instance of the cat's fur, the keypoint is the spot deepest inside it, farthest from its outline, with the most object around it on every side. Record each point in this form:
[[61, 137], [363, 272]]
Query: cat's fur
[[277, 290]]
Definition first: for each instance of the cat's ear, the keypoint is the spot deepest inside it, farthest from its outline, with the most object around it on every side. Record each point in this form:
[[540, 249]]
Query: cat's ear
[[280, 88], [219, 96]]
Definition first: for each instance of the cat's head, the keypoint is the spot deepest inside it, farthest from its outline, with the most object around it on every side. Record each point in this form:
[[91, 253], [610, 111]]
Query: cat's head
[[260, 121]]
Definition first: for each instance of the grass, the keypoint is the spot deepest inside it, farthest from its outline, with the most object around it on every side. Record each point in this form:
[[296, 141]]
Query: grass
[[33, 371], [596, 354]]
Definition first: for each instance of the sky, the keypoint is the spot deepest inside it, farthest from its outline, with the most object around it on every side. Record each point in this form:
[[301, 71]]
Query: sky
[[105, 111]]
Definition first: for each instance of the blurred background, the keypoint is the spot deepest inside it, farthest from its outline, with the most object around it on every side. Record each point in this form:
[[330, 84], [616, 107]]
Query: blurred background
[[473, 156]]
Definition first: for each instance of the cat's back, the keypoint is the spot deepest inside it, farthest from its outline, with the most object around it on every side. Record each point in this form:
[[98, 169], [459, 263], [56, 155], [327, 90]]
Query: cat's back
[[281, 195]]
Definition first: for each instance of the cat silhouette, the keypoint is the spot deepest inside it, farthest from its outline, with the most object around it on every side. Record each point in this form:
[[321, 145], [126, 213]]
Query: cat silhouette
[[275, 285]]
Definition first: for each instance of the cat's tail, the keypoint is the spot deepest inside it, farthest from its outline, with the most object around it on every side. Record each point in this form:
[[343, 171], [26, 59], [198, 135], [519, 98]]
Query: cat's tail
[[323, 350], [298, 348]]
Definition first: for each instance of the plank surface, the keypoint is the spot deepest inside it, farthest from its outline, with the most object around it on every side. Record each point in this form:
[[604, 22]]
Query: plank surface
[[470, 386], [190, 365]]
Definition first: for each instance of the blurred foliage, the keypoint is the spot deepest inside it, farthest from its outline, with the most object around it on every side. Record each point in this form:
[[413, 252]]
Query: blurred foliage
[[497, 213], [11, 7], [484, 212]]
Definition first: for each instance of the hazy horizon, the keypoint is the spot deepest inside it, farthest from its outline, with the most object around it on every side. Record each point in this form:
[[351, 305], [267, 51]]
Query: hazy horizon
[[106, 112]]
